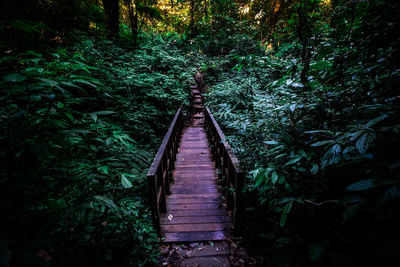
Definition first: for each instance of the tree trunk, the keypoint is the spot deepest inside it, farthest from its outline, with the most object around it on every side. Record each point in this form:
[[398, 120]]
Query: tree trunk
[[304, 33], [133, 18], [192, 22], [111, 12]]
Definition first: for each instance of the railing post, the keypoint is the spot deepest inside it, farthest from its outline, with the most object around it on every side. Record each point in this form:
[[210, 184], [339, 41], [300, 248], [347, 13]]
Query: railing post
[[152, 191], [163, 204], [227, 164], [158, 176], [238, 212], [166, 176]]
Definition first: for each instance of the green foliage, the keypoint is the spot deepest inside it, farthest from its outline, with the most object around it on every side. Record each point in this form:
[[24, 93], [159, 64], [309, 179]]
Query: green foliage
[[321, 158], [79, 127], [305, 91]]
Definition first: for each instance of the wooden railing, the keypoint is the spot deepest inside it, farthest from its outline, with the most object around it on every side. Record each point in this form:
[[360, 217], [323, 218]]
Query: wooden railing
[[160, 173], [228, 169]]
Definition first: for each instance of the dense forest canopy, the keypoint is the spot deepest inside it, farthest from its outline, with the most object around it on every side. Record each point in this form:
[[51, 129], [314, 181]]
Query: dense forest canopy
[[306, 91]]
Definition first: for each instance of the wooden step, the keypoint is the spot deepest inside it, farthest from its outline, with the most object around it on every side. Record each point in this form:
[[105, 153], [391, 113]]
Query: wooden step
[[195, 227], [196, 236], [198, 101], [195, 219], [197, 206], [193, 200]]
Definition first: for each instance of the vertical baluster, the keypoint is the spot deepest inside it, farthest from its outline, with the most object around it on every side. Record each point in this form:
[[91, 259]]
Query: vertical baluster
[[152, 188], [166, 175], [238, 211], [163, 201], [231, 182]]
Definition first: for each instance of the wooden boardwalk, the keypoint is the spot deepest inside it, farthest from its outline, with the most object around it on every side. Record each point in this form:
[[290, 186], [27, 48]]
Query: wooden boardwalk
[[194, 208], [195, 180]]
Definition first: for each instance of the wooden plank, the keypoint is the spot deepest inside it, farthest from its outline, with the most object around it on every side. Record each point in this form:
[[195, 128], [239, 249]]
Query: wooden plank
[[194, 139], [195, 227], [194, 187], [211, 172], [193, 179], [197, 213], [196, 236], [194, 174], [182, 196], [189, 150], [194, 219], [193, 157], [181, 174], [185, 190], [193, 171], [193, 200], [194, 164], [189, 206], [194, 208], [194, 182], [189, 178]]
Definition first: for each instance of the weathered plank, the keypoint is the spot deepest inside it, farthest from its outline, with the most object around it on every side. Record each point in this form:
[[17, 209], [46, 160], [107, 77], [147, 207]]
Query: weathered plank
[[194, 207], [195, 227], [196, 236], [193, 190], [197, 206], [195, 195], [197, 213], [194, 219], [193, 200]]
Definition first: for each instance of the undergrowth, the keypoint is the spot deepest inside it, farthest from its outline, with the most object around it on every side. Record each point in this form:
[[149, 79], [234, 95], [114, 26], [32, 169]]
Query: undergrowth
[[321, 157], [80, 123]]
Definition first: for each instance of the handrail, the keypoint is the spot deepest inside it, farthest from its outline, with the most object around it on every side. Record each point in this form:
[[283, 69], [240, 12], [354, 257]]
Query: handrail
[[158, 176], [229, 166]]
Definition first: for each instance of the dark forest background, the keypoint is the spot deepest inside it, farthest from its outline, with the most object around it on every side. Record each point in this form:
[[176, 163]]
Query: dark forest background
[[306, 91]]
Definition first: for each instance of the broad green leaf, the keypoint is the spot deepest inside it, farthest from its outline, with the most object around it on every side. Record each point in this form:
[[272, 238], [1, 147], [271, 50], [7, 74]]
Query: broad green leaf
[[271, 142], [104, 112], [126, 183], [274, 177], [314, 169], [293, 161], [282, 179], [105, 201], [259, 177], [352, 210], [285, 212], [321, 65], [362, 185], [376, 120], [94, 116], [14, 77], [321, 143], [103, 169], [364, 141]]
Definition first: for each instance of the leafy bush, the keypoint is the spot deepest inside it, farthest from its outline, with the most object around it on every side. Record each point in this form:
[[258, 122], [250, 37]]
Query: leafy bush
[[79, 126], [322, 183]]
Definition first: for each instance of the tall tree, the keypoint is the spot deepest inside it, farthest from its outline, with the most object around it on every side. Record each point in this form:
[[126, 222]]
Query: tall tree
[[139, 11], [111, 12]]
